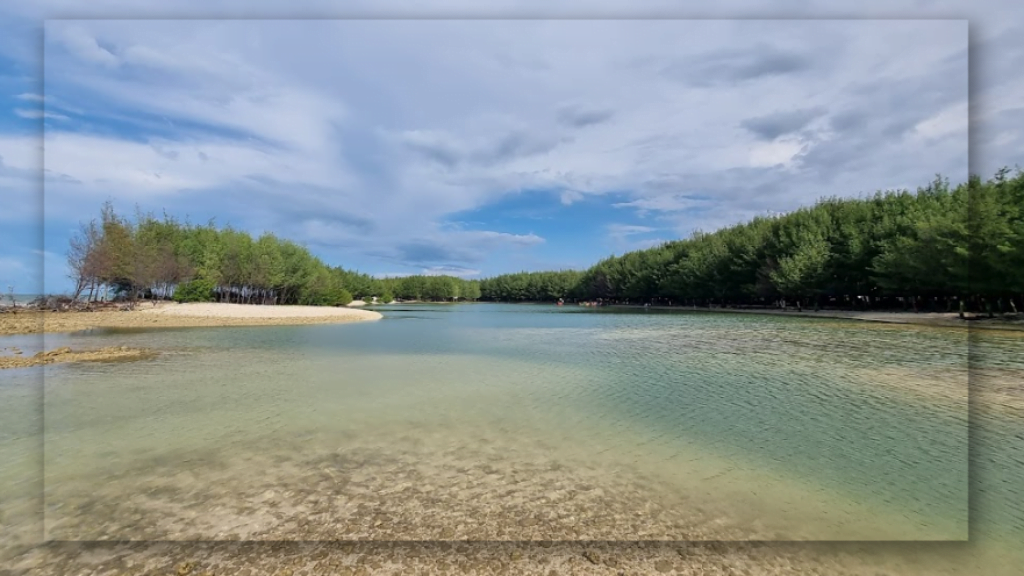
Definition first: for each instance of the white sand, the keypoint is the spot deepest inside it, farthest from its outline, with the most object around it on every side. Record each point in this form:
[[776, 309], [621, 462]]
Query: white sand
[[219, 310]]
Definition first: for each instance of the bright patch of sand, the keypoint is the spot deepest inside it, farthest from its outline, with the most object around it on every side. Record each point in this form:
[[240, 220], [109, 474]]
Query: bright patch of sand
[[169, 315], [216, 310]]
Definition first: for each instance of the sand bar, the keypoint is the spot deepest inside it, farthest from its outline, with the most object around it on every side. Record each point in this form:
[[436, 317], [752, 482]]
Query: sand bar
[[15, 359], [168, 315]]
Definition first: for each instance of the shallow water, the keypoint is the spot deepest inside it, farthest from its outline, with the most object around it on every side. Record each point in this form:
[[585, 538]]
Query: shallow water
[[524, 422]]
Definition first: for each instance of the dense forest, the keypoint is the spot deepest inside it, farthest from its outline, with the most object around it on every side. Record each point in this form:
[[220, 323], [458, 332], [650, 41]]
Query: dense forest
[[157, 258], [937, 248], [934, 249]]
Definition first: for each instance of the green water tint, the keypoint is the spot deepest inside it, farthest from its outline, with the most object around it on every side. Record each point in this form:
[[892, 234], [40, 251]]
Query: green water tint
[[772, 424]]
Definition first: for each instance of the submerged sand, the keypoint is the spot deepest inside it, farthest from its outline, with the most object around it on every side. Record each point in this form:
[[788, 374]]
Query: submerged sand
[[486, 558], [15, 359], [463, 510], [168, 315]]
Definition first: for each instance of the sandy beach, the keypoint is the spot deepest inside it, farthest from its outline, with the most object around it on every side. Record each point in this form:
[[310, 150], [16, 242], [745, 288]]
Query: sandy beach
[[168, 315], [171, 315]]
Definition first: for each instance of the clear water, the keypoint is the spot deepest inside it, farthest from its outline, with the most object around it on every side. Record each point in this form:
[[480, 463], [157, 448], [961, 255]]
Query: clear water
[[526, 422]]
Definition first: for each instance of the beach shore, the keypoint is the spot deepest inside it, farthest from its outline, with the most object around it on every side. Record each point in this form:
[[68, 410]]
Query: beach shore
[[945, 319], [171, 315]]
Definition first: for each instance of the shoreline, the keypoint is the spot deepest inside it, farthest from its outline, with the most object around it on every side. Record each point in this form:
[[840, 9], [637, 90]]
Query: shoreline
[[939, 319], [171, 315]]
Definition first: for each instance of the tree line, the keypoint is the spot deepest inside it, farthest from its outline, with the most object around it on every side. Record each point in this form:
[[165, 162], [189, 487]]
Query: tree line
[[153, 258], [935, 248], [938, 247]]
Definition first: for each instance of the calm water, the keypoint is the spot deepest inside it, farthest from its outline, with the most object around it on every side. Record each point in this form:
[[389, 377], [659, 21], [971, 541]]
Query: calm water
[[520, 422]]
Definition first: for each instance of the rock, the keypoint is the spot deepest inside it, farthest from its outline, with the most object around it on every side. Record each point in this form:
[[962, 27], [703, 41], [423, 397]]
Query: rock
[[185, 568], [663, 566], [592, 556], [447, 533]]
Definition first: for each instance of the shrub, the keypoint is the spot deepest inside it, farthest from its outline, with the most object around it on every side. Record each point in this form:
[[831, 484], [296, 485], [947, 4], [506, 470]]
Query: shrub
[[198, 290], [341, 297]]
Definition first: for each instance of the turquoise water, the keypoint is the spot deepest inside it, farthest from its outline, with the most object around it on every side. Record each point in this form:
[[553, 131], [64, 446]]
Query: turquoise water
[[703, 425]]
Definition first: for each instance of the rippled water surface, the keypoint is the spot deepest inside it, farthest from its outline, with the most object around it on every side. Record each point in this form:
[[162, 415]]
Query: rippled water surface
[[528, 422]]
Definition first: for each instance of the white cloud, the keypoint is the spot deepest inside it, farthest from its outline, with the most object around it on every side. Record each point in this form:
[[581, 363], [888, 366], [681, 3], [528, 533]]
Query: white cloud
[[628, 229], [20, 152], [450, 271], [621, 236], [337, 131], [489, 237], [952, 120], [37, 114], [779, 152], [84, 46], [570, 196], [20, 158], [662, 203]]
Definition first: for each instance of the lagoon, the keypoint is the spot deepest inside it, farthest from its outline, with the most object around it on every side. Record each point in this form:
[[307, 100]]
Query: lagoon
[[522, 422]]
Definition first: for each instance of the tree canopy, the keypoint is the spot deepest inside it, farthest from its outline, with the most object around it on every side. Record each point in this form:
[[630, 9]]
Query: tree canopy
[[934, 244], [149, 257]]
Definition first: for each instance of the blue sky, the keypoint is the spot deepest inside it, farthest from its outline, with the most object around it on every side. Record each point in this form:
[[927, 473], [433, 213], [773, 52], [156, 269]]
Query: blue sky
[[477, 147]]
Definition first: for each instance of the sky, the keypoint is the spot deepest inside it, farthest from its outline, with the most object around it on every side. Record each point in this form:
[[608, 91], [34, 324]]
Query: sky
[[477, 147]]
